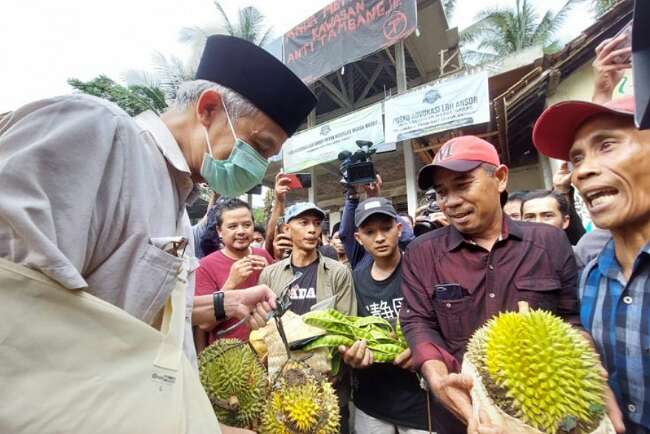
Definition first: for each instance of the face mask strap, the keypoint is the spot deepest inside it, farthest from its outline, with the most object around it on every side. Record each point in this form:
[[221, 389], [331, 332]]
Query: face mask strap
[[207, 139], [232, 129]]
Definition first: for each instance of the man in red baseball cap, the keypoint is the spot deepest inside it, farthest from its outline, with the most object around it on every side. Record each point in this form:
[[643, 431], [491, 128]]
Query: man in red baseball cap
[[457, 277], [610, 159]]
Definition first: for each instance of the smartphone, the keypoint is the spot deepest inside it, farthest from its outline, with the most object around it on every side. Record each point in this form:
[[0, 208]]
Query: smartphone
[[299, 180], [627, 29]]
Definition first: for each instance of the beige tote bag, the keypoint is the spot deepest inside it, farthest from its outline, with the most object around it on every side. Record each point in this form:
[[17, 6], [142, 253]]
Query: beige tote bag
[[71, 363]]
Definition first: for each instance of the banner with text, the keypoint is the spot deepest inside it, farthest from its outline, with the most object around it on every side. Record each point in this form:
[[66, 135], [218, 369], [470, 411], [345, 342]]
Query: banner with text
[[323, 143], [438, 107], [345, 31]]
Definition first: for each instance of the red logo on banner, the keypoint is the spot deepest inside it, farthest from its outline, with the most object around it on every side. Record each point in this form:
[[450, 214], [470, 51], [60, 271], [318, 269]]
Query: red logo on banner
[[395, 26]]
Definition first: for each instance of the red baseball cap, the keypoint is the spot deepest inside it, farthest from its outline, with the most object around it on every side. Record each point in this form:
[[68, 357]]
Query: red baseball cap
[[460, 154], [556, 127]]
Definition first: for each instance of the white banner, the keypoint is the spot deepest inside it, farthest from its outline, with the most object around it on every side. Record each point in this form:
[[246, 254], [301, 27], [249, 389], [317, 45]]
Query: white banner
[[323, 143], [432, 108]]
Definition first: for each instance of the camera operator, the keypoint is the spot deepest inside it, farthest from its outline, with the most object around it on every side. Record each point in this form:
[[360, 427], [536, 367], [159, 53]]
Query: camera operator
[[355, 252], [429, 216]]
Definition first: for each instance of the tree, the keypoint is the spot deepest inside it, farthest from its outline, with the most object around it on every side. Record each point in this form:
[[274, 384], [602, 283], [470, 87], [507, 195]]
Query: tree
[[249, 25], [501, 31], [132, 99], [602, 6]]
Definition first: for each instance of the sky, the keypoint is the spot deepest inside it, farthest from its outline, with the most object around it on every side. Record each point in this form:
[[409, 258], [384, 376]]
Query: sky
[[45, 42]]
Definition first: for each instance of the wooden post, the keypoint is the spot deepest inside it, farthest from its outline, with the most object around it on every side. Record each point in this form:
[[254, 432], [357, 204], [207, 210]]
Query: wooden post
[[407, 147]]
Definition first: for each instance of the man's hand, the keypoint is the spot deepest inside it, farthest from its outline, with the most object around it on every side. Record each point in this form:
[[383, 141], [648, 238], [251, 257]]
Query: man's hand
[[225, 429], [562, 179], [614, 413], [358, 356], [483, 425], [452, 390], [404, 360], [258, 301], [255, 302], [242, 269], [282, 182], [281, 244], [373, 189], [608, 68]]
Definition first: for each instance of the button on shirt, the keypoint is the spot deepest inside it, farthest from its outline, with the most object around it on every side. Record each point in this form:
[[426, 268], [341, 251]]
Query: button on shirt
[[616, 313], [530, 262], [89, 194]]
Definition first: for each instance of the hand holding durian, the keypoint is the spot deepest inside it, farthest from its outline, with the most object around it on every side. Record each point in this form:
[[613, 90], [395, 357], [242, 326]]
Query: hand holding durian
[[534, 373]]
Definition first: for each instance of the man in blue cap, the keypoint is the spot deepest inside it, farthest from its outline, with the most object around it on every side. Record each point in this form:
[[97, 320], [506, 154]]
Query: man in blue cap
[[322, 278], [96, 200]]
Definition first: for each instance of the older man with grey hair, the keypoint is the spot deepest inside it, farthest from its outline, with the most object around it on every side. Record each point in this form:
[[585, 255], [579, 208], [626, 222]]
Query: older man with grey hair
[[96, 200]]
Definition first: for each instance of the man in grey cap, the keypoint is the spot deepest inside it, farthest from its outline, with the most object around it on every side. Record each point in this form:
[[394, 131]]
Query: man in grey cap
[[322, 278], [96, 200]]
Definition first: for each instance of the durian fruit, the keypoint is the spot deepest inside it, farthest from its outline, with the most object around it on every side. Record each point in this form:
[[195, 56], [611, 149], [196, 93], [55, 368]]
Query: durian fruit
[[540, 370], [235, 381], [301, 401]]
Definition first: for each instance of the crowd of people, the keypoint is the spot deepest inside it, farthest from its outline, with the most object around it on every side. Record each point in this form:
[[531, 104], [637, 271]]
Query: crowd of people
[[486, 251]]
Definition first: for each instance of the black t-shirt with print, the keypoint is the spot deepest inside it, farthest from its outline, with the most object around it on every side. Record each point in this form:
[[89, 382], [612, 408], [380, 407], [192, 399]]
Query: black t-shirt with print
[[303, 292], [385, 391]]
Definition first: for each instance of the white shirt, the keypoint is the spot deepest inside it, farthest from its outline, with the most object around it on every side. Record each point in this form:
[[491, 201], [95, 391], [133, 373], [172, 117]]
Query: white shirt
[[86, 196]]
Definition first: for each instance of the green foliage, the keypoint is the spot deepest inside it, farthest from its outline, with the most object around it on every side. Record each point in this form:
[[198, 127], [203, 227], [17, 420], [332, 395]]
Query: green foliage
[[501, 31], [602, 6], [383, 340], [259, 217], [132, 99]]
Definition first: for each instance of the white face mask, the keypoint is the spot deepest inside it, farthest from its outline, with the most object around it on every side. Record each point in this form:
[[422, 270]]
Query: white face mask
[[257, 245]]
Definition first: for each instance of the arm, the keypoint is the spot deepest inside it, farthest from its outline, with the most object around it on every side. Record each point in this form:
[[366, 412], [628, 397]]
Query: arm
[[607, 71], [63, 161], [567, 270], [354, 251], [346, 299], [255, 302], [281, 188]]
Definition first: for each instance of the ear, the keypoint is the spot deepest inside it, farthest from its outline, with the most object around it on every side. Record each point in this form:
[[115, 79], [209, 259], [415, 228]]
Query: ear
[[356, 237], [218, 231], [209, 107], [501, 175], [286, 229], [399, 229], [566, 221]]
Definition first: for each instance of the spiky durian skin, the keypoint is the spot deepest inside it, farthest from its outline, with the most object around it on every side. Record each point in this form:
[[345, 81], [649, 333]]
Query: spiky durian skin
[[540, 370], [301, 402], [227, 368]]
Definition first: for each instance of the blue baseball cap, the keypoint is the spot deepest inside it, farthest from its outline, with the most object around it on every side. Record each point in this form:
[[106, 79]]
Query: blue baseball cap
[[300, 208]]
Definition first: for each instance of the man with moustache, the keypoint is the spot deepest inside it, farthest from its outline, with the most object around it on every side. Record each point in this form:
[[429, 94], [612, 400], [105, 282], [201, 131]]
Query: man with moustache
[[457, 277], [610, 159], [235, 266]]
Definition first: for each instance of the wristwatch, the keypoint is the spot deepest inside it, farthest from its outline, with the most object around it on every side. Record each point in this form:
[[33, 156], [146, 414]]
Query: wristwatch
[[219, 309]]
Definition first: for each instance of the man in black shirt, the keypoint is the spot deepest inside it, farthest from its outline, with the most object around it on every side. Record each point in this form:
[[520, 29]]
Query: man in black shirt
[[387, 397]]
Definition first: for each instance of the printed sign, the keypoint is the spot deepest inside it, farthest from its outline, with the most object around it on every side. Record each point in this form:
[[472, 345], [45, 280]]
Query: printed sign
[[345, 31], [324, 142], [438, 107]]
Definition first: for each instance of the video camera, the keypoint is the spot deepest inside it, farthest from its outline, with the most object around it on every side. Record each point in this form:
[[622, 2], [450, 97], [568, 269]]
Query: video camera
[[357, 168], [422, 227]]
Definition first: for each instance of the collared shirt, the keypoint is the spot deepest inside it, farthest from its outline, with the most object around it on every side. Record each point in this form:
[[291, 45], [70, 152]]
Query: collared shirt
[[530, 262], [89, 196], [616, 313], [332, 279]]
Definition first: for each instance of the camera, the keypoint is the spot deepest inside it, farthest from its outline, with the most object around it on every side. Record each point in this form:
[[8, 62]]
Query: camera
[[422, 227], [357, 168]]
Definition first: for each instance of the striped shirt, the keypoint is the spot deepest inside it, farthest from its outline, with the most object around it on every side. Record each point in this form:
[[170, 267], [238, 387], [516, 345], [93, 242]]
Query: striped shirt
[[617, 315]]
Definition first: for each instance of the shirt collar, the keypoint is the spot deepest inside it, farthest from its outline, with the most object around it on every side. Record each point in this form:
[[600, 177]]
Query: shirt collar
[[321, 263], [509, 228], [164, 139], [608, 264]]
